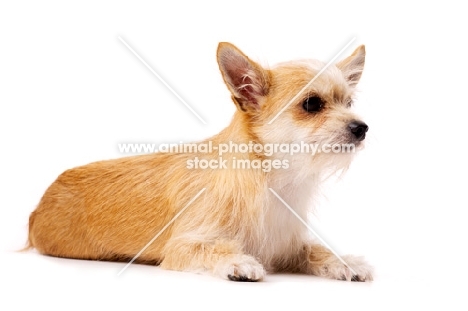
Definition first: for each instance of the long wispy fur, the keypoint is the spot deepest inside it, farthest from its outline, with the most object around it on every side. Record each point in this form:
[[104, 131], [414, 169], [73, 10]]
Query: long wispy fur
[[237, 229]]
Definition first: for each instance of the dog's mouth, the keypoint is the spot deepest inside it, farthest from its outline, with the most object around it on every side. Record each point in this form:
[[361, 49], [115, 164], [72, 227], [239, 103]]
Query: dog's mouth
[[348, 144], [359, 144]]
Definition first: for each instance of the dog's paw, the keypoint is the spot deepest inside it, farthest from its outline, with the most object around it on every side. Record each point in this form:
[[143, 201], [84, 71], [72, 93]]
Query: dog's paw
[[242, 268], [356, 270]]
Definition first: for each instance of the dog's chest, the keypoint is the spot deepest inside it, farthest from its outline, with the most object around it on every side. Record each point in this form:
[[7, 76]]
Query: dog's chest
[[279, 232]]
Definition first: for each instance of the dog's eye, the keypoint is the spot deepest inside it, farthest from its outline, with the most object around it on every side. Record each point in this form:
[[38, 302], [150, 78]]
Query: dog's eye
[[313, 104], [349, 102]]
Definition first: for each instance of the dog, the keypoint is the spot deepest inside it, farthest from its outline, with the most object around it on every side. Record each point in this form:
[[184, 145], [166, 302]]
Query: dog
[[230, 221]]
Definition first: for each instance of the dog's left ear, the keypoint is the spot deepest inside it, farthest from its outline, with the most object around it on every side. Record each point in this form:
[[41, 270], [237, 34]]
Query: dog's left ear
[[353, 65], [246, 80]]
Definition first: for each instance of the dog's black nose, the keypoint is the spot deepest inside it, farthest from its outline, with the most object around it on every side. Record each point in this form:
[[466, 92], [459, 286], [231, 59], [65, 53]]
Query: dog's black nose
[[358, 129]]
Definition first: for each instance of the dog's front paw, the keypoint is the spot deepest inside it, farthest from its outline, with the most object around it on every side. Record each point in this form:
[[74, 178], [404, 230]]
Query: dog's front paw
[[361, 270], [242, 268], [357, 269]]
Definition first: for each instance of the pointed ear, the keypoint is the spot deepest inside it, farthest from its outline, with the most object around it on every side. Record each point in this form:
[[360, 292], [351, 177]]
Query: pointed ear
[[246, 80], [353, 65]]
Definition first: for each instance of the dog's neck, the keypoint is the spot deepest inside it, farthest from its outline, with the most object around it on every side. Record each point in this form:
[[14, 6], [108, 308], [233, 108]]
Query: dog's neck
[[238, 131]]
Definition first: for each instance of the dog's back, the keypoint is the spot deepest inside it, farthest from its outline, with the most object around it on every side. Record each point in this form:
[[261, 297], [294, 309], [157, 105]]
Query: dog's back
[[105, 210]]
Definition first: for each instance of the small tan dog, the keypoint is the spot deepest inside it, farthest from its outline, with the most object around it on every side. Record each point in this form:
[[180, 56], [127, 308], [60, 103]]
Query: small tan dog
[[237, 228]]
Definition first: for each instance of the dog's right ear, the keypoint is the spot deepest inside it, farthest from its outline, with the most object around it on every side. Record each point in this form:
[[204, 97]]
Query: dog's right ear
[[246, 80]]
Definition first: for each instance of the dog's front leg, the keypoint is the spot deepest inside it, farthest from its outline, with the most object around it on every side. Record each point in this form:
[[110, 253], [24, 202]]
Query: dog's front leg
[[224, 258], [322, 262]]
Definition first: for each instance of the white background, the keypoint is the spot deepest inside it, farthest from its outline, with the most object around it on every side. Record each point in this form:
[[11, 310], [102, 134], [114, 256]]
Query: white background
[[70, 91]]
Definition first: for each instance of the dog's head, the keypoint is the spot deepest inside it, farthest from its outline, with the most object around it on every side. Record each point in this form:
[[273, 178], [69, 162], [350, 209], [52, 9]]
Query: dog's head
[[297, 101]]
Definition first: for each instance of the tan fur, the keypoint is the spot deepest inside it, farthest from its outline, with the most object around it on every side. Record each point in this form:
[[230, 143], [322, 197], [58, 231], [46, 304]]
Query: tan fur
[[237, 228]]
